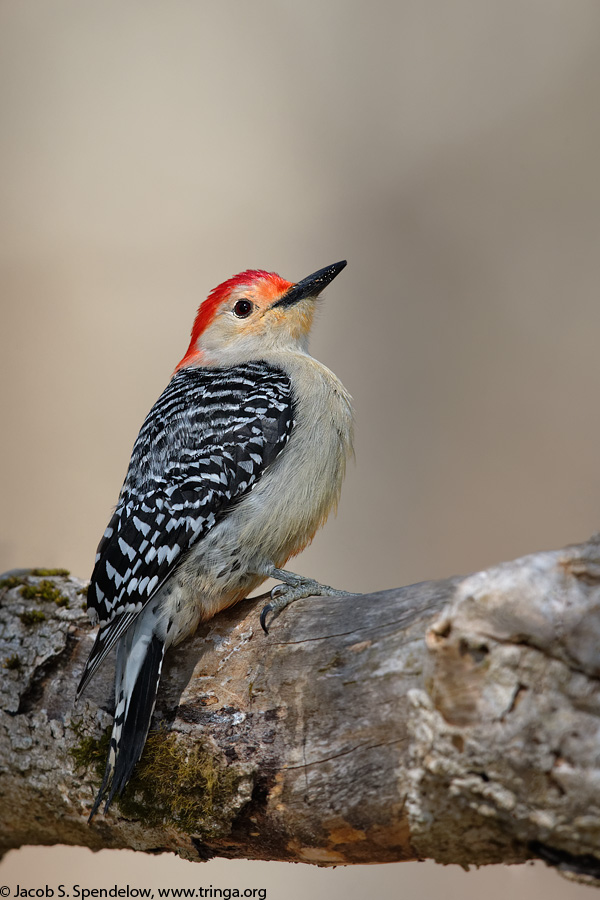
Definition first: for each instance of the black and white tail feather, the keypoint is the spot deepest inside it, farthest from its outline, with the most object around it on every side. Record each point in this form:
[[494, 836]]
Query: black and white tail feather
[[204, 444], [139, 664]]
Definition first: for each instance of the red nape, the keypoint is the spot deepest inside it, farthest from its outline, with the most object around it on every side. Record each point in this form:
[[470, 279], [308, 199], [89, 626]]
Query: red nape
[[273, 283]]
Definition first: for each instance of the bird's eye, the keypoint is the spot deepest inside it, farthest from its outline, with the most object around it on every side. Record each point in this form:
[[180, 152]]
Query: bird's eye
[[242, 309]]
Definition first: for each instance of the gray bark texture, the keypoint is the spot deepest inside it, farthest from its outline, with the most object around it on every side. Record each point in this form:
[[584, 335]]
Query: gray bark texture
[[455, 720]]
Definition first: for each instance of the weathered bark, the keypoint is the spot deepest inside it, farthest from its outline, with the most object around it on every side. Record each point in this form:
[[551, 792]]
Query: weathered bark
[[456, 720]]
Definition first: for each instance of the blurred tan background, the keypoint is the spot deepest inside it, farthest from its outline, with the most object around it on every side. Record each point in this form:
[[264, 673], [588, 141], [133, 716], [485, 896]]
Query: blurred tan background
[[152, 148]]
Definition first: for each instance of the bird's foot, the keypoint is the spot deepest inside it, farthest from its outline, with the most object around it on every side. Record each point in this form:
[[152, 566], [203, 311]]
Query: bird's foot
[[294, 587]]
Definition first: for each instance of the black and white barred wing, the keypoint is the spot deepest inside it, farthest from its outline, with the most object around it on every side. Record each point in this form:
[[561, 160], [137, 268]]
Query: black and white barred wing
[[204, 444]]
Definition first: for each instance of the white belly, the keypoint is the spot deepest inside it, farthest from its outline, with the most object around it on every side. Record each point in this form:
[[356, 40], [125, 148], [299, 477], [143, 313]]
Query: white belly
[[280, 515]]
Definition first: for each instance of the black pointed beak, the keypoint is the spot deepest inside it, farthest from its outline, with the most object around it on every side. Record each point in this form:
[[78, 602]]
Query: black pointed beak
[[310, 286]]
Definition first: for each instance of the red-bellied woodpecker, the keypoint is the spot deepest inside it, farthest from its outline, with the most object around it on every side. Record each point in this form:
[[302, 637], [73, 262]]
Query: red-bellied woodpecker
[[235, 468]]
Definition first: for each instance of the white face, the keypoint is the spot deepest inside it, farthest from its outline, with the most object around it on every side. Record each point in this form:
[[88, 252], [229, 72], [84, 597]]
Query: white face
[[254, 314], [247, 325]]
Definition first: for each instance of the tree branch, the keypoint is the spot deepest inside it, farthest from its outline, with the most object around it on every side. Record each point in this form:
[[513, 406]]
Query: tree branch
[[456, 720]]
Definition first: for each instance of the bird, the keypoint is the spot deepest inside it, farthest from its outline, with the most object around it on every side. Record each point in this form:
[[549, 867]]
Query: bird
[[235, 468]]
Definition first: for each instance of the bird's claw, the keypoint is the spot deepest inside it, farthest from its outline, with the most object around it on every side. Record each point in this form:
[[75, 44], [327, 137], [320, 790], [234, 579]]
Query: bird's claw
[[279, 591], [282, 595], [263, 617]]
